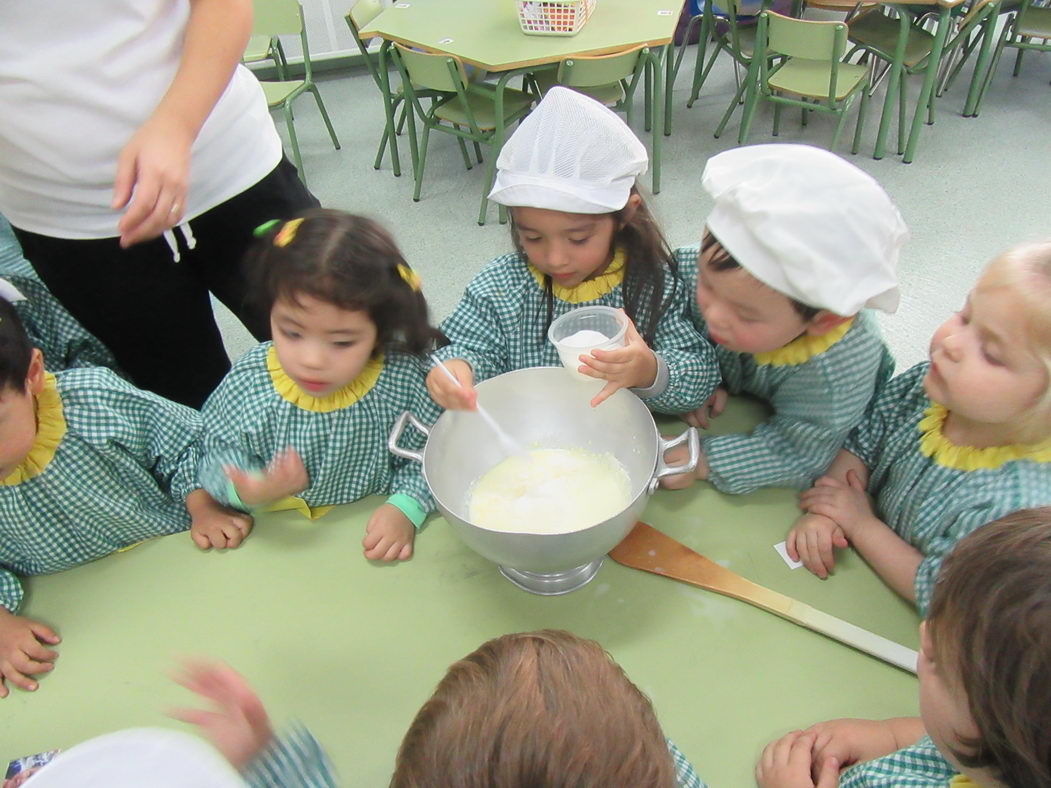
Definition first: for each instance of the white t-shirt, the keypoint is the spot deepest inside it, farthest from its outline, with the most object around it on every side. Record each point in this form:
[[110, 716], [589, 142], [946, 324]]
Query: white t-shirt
[[77, 79]]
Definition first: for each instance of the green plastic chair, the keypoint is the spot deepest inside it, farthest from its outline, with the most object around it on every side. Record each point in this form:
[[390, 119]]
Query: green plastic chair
[[891, 33], [1029, 23], [285, 17], [476, 112], [264, 47], [363, 12], [812, 73]]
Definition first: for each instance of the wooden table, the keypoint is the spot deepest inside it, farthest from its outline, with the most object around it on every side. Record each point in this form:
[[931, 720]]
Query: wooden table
[[486, 34], [353, 649]]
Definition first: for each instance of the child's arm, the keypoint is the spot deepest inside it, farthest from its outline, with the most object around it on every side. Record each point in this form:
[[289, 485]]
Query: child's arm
[[215, 525], [852, 741], [789, 762], [23, 653], [476, 331]]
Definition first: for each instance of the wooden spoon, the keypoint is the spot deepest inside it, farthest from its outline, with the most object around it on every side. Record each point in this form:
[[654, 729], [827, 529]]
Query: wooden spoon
[[648, 549]]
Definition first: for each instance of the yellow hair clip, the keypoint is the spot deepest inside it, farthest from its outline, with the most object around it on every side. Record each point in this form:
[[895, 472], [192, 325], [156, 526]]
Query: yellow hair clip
[[412, 279], [287, 233]]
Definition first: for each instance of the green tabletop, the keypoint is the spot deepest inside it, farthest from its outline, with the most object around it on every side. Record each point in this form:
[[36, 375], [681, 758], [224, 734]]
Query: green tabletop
[[353, 649], [486, 33]]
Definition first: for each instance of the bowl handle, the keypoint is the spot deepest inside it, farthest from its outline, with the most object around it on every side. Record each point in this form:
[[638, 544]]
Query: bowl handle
[[691, 438], [403, 421]]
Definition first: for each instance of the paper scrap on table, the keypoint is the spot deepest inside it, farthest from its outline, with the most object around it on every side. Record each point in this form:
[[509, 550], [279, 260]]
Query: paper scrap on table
[[446, 41], [783, 552]]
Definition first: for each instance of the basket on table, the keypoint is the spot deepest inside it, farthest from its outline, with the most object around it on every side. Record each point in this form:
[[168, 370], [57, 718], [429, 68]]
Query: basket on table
[[553, 17]]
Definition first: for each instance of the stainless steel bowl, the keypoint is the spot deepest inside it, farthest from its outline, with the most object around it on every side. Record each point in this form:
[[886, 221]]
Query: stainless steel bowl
[[543, 407]]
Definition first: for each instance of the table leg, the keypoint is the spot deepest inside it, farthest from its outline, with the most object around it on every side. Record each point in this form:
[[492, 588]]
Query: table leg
[[982, 66], [658, 111], [388, 109], [893, 85], [940, 34], [669, 83]]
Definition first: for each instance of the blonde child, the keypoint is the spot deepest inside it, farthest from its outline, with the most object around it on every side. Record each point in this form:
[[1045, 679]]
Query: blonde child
[[952, 443], [303, 421], [798, 246], [56, 333], [985, 693], [583, 236], [88, 465]]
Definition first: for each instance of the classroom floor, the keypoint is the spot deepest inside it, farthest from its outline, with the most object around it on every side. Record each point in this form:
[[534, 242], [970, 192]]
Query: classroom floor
[[977, 186]]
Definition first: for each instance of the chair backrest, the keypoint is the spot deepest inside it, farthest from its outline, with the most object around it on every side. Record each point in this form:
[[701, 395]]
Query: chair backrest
[[591, 71], [805, 38], [429, 70], [363, 12], [277, 17]]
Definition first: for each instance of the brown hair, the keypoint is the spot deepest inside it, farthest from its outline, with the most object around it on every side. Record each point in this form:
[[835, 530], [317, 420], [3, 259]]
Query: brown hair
[[649, 261], [722, 260], [16, 349], [540, 709], [990, 619], [348, 261]]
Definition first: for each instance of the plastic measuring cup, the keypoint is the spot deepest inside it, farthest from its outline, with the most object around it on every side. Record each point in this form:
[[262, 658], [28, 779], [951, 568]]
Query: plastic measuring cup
[[586, 329]]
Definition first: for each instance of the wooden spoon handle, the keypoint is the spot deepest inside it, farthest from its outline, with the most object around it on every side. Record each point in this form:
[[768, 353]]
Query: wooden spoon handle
[[861, 639]]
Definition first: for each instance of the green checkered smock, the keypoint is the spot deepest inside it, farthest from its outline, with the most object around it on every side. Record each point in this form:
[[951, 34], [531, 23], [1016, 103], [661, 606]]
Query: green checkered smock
[[64, 342], [120, 474], [815, 404], [930, 505], [247, 422], [296, 760], [499, 326], [917, 766], [12, 262]]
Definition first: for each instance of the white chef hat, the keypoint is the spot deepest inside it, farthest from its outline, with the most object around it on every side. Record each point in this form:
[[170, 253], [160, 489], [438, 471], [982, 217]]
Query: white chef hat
[[808, 224], [570, 154], [139, 756]]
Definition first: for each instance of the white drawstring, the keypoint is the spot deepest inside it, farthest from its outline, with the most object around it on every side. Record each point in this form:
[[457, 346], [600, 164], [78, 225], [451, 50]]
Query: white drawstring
[[187, 236]]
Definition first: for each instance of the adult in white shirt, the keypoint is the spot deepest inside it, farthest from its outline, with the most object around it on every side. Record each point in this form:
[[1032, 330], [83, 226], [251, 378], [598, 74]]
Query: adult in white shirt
[[136, 158]]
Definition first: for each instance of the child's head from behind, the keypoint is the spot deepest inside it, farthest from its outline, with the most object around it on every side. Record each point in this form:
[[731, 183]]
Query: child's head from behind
[[991, 361], [985, 662], [798, 241], [567, 174], [21, 378], [535, 709], [339, 291]]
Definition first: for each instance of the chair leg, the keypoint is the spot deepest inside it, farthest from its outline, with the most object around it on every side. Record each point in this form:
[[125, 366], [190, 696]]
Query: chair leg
[[970, 106], [418, 166], [903, 112], [296, 158], [701, 71], [478, 152], [806, 117], [324, 115], [839, 127], [490, 173], [393, 142], [988, 78], [463, 148], [861, 121], [401, 120], [777, 119], [729, 111], [1018, 58]]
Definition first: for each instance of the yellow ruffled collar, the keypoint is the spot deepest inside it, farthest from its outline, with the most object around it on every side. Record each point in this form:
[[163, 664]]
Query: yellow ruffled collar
[[935, 445], [801, 349], [591, 289], [51, 427], [337, 400], [963, 781]]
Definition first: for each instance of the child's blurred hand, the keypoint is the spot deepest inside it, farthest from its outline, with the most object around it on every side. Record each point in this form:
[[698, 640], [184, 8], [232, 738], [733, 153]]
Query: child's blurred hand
[[851, 741], [215, 525], [284, 476], [788, 762], [711, 409], [22, 651], [681, 481], [631, 366], [448, 394], [388, 535], [812, 540], [847, 503], [238, 725]]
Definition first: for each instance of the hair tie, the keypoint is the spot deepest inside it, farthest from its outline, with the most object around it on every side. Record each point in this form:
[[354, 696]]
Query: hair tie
[[410, 277], [287, 233], [265, 227]]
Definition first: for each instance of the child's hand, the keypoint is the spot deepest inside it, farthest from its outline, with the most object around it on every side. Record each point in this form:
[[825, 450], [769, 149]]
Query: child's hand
[[22, 651], [631, 366], [215, 525], [681, 481], [284, 476], [789, 763], [238, 726], [851, 741], [848, 504], [448, 394], [812, 540], [708, 411], [388, 535]]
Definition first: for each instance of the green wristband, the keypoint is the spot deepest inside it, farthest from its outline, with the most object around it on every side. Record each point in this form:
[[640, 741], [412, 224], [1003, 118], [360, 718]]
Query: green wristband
[[410, 507], [234, 499]]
